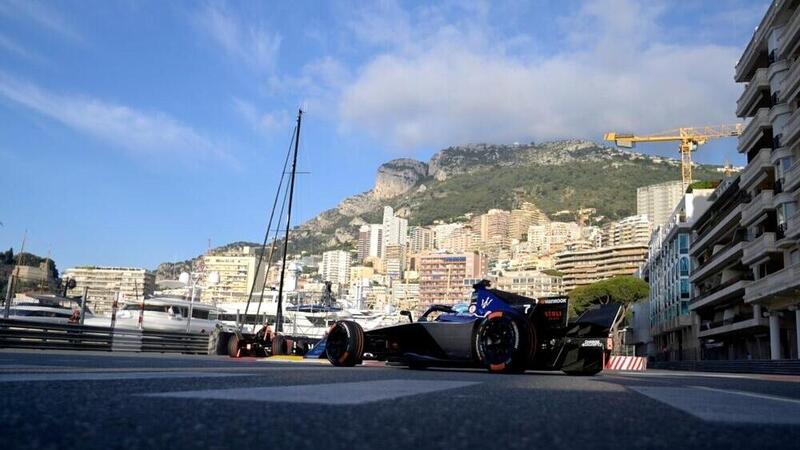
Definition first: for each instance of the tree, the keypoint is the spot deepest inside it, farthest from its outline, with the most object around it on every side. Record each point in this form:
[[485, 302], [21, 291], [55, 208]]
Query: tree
[[625, 290]]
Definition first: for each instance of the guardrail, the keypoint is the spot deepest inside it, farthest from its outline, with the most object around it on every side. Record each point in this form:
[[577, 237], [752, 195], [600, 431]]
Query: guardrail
[[58, 336], [765, 366]]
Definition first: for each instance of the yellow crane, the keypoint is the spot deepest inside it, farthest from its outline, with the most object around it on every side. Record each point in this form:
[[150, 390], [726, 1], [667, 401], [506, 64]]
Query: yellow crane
[[689, 138]]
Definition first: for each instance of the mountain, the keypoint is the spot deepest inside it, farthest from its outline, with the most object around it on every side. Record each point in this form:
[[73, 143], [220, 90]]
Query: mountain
[[557, 176]]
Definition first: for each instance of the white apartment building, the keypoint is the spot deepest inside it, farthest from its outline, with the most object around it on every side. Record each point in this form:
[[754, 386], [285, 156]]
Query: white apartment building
[[336, 267], [104, 282], [770, 69], [530, 283], [630, 230], [667, 270], [442, 231], [657, 201], [394, 261], [395, 229]]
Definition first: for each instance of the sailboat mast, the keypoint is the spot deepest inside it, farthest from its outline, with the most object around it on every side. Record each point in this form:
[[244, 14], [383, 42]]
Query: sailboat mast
[[279, 316]]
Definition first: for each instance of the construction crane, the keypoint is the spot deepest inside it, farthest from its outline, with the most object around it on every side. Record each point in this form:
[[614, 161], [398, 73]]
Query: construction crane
[[689, 138]]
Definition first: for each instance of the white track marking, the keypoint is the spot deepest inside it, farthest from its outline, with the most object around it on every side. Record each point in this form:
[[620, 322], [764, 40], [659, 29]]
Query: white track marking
[[717, 405], [751, 394], [100, 376], [354, 393]]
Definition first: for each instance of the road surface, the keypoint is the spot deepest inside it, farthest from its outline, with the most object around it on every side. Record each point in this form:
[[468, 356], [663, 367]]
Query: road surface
[[101, 400]]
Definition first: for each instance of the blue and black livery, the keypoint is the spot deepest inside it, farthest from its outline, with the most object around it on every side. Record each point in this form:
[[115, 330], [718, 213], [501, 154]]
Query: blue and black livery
[[501, 331]]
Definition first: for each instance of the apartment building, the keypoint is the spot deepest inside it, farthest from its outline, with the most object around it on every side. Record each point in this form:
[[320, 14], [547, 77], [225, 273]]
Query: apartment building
[[530, 283], [770, 69], [657, 201], [726, 326], [522, 218], [420, 239], [370, 241], [395, 261], [237, 275], [630, 230], [442, 276], [336, 267], [667, 271], [104, 282], [582, 267], [442, 231], [492, 228], [395, 229]]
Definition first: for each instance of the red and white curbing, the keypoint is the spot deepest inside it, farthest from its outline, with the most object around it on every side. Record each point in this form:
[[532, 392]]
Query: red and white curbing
[[629, 363]]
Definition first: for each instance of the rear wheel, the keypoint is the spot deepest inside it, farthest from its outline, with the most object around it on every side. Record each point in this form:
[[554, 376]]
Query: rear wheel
[[503, 343], [345, 344], [233, 346]]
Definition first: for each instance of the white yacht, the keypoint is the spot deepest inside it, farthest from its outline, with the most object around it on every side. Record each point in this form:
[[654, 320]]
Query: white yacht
[[46, 308], [162, 314]]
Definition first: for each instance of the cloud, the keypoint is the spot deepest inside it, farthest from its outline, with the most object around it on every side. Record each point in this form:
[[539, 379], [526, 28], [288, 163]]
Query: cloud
[[11, 46], [141, 133], [252, 45], [267, 122], [608, 70], [43, 16]]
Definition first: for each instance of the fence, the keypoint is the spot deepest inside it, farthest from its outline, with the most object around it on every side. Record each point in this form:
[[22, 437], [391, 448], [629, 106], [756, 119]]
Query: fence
[[58, 336]]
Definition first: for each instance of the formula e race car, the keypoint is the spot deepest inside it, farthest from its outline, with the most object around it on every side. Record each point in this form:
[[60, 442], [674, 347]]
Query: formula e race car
[[500, 331]]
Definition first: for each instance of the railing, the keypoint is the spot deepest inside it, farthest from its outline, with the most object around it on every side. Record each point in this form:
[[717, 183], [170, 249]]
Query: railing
[[779, 367], [58, 336], [748, 276]]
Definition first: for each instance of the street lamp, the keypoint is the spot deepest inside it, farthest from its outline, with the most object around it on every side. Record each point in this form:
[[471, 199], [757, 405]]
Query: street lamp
[[190, 279]]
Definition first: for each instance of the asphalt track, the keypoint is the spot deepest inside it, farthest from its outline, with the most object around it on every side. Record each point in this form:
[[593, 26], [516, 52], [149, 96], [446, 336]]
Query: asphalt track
[[64, 400]]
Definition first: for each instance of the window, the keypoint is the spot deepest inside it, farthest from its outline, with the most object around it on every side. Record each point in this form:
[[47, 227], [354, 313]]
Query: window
[[683, 243], [684, 266], [684, 288]]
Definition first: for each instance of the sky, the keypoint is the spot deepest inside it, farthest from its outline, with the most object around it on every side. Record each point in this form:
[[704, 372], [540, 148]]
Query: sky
[[133, 132]]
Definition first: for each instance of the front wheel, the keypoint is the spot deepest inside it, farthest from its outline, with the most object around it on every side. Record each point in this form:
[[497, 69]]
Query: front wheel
[[233, 346], [345, 343], [503, 342]]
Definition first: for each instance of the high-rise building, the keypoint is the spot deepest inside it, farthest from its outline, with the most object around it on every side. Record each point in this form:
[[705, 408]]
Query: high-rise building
[[394, 261], [460, 240], [336, 267], [370, 241], [104, 282], [421, 239], [395, 229], [658, 200], [444, 277], [237, 275], [667, 271], [492, 229], [582, 267], [771, 141], [442, 231], [630, 230]]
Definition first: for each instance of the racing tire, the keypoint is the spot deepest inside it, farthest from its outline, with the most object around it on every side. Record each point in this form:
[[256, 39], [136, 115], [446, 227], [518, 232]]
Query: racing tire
[[278, 345], [503, 342], [345, 344], [233, 346]]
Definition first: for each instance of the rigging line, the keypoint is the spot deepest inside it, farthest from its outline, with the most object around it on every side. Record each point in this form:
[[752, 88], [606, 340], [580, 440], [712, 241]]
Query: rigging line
[[271, 253], [269, 224]]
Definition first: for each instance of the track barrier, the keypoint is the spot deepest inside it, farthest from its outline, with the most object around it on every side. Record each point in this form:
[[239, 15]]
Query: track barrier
[[627, 363], [59, 336]]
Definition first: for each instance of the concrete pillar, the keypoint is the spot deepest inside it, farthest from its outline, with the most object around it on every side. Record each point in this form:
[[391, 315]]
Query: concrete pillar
[[774, 336], [797, 329]]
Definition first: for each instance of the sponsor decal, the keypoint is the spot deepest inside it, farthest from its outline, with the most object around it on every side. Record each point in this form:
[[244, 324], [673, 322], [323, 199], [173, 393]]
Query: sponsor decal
[[592, 343], [485, 303]]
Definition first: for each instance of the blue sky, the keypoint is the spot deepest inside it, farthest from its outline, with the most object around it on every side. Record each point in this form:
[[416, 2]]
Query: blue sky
[[131, 132]]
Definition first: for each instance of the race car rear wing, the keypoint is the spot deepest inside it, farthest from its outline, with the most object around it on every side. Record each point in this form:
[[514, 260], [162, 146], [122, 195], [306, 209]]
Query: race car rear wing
[[596, 321]]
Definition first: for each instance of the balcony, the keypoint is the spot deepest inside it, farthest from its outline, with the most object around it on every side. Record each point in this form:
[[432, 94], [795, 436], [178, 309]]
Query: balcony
[[719, 294], [791, 131], [731, 219], [675, 323], [793, 227], [775, 287], [790, 39], [792, 177], [731, 326], [790, 88], [754, 130], [718, 261], [757, 207], [756, 169], [780, 153], [759, 249], [751, 98]]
